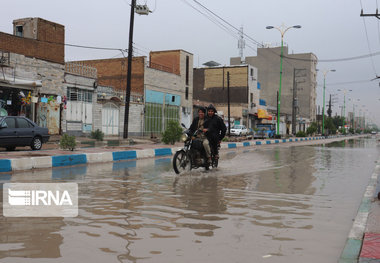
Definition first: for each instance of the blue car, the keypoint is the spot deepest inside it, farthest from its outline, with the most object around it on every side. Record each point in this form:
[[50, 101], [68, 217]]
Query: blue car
[[17, 131]]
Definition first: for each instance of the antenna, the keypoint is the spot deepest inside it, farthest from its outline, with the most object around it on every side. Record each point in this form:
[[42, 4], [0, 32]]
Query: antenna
[[241, 45]]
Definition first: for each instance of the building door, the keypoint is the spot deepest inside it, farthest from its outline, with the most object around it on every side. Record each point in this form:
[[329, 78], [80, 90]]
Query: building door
[[110, 119], [79, 110]]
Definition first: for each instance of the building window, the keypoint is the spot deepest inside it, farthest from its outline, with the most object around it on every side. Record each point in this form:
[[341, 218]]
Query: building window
[[251, 97], [262, 102], [173, 98], [187, 69], [19, 31], [251, 72], [74, 94], [187, 93]]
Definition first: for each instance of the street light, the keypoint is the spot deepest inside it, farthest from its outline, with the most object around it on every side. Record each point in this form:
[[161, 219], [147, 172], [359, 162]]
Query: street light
[[324, 88], [344, 107], [283, 29]]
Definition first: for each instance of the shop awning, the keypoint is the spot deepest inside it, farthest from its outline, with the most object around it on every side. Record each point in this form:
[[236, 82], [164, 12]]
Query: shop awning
[[263, 114]]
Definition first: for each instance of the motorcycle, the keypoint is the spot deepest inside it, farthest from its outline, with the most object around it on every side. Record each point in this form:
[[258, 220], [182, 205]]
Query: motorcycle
[[193, 154]]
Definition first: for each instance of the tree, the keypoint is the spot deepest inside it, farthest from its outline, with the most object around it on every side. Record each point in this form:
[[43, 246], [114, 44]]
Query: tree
[[172, 133], [329, 125], [312, 128]]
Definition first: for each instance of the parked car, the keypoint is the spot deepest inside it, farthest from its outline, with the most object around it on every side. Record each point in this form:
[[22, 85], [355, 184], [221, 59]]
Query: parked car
[[20, 131], [239, 130], [265, 131]]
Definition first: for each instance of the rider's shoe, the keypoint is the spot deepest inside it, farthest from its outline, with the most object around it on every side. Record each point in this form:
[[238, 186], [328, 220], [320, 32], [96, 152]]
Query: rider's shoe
[[209, 160]]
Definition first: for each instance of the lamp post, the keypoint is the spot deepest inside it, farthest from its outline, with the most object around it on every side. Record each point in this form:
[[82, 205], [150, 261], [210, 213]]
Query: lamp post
[[344, 107], [283, 29], [324, 88]]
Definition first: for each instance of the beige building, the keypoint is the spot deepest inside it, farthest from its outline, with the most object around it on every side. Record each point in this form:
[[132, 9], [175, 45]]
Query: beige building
[[210, 86], [267, 62]]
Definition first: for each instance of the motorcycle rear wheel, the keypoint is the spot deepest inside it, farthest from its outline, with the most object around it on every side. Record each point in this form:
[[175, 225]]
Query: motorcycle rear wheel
[[181, 162]]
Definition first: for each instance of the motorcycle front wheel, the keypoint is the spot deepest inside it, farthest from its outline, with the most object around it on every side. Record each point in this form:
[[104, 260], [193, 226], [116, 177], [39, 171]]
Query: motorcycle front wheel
[[181, 162]]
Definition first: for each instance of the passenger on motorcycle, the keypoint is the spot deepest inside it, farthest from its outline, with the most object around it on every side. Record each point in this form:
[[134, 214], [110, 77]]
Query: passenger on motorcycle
[[198, 124], [215, 129]]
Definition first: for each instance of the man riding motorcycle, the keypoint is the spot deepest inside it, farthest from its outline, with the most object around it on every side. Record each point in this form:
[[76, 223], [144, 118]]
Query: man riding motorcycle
[[198, 124], [215, 129]]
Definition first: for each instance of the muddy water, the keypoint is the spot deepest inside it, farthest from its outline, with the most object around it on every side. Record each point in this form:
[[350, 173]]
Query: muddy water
[[272, 204]]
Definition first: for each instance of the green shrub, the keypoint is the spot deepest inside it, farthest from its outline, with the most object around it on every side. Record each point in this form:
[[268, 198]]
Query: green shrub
[[301, 134], [225, 139], [98, 135], [67, 142], [312, 128], [172, 133]]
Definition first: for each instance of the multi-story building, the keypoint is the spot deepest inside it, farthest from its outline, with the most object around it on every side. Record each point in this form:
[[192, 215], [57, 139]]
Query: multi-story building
[[32, 66], [211, 86], [267, 62], [161, 90]]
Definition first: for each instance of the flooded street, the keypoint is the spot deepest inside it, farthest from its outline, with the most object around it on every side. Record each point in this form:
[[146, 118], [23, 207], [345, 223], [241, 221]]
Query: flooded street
[[268, 204]]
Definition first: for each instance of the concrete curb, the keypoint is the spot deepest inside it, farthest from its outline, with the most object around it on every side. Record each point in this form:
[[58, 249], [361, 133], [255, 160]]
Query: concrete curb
[[20, 164], [351, 251]]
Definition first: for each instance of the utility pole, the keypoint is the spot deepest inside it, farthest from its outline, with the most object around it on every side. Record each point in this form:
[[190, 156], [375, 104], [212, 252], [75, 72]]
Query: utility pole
[[129, 70], [329, 111], [377, 15], [298, 73], [228, 102], [141, 10], [295, 102]]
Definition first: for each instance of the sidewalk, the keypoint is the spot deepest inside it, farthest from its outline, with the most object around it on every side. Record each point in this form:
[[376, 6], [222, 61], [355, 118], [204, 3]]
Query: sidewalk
[[363, 243], [51, 156]]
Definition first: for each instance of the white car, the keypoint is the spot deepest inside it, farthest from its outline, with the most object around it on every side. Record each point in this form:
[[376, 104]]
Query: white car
[[239, 130]]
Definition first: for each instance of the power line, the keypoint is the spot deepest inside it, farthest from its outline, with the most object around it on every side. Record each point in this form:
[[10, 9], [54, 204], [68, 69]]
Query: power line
[[369, 47], [336, 59]]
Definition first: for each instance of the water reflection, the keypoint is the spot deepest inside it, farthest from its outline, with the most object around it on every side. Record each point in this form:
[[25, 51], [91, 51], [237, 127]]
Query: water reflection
[[277, 202], [292, 172]]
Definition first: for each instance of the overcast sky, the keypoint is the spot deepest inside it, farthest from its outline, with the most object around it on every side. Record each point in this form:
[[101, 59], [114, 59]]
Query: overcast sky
[[331, 29]]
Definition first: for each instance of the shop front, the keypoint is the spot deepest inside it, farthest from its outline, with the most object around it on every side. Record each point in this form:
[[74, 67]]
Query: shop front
[[45, 110], [16, 102]]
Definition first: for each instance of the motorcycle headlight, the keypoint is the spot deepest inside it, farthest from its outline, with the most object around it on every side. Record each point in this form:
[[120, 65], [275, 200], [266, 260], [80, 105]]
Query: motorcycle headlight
[[184, 137]]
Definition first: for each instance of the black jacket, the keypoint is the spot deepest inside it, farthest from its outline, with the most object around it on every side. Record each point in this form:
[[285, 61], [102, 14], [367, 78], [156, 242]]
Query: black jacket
[[216, 128]]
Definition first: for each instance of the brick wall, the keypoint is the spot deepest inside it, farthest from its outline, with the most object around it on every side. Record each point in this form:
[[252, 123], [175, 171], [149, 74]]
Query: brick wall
[[208, 85], [32, 48], [45, 42], [165, 60], [113, 73]]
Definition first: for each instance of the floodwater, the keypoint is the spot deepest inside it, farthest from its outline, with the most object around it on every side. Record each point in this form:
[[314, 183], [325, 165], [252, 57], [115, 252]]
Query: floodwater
[[271, 204]]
